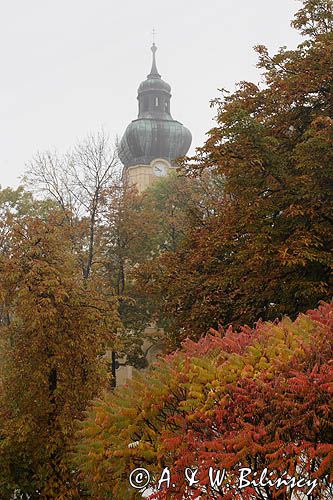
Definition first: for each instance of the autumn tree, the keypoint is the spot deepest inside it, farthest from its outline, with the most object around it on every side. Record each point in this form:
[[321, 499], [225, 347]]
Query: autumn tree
[[114, 229], [267, 251], [54, 331], [16, 203], [252, 398], [76, 181], [139, 228]]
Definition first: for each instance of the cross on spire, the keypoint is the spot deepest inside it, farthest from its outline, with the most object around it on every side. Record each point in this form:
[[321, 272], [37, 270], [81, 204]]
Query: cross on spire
[[153, 72]]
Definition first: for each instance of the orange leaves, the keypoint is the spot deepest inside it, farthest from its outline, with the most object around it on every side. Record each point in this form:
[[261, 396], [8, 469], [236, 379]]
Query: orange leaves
[[259, 398]]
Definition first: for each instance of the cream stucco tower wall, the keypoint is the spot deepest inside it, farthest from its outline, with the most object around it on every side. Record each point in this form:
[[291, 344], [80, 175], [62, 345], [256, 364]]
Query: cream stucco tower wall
[[142, 176]]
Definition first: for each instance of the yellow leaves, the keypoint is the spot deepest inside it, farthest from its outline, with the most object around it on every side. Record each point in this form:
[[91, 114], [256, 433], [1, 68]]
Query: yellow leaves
[[196, 395], [263, 364], [215, 383], [247, 371], [52, 363]]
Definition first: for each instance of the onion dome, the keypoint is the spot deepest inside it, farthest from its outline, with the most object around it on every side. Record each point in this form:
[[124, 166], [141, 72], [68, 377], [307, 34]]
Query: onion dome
[[154, 134]]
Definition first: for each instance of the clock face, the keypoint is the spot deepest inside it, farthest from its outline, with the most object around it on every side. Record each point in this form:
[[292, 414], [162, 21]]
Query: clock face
[[160, 169]]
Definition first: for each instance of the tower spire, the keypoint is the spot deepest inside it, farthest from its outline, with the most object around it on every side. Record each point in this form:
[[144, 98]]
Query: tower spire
[[154, 134], [153, 72]]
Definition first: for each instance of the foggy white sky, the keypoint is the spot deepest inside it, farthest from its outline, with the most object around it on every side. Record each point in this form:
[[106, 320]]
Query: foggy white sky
[[70, 67]]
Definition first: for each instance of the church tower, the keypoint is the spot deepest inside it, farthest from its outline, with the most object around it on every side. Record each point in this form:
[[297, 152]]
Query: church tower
[[153, 141]]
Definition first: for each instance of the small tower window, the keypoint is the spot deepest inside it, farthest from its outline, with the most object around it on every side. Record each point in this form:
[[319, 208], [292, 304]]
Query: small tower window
[[157, 103]]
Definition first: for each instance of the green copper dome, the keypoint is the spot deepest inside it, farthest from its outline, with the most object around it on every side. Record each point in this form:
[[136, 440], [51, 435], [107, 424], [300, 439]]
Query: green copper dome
[[154, 134]]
